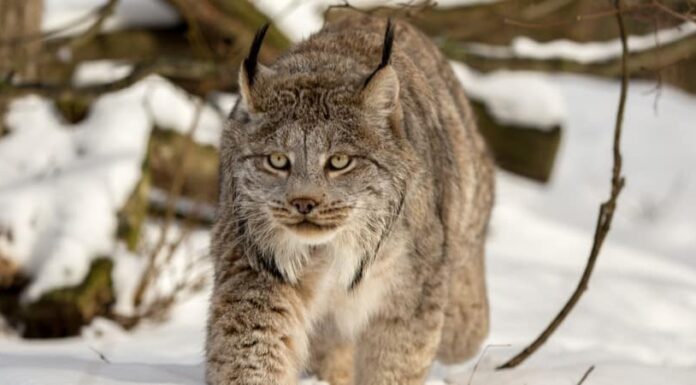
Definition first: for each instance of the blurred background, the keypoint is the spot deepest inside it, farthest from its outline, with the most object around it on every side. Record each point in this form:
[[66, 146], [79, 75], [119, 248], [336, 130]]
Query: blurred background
[[110, 114]]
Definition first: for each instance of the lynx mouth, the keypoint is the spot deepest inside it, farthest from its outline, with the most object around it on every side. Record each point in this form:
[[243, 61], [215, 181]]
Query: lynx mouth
[[307, 225], [312, 232]]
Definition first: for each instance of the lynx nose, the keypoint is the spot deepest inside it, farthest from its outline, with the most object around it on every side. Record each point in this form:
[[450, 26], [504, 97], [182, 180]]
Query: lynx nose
[[304, 205]]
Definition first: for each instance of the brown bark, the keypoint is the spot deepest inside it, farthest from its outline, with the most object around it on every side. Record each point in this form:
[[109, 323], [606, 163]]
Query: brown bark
[[61, 312], [642, 64], [498, 23], [227, 27], [526, 151], [19, 19], [542, 20]]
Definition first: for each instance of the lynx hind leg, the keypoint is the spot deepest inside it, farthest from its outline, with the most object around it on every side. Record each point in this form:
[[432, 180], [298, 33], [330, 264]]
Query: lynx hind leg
[[466, 316], [331, 356]]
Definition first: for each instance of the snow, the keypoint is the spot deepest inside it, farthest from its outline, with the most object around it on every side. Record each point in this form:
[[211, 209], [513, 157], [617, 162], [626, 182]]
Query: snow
[[519, 98], [591, 52], [99, 72], [286, 13], [179, 274], [172, 108], [60, 186], [635, 324], [58, 201], [168, 106]]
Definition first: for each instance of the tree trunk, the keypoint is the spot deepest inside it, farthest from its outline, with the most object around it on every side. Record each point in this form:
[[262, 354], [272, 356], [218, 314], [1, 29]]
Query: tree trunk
[[20, 35], [20, 29]]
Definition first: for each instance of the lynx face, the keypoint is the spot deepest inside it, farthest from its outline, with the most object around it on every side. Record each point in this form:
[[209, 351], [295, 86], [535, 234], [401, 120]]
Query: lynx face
[[308, 181], [319, 158]]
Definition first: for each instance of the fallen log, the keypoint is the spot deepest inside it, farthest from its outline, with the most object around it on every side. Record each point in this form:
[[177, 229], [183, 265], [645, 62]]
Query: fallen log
[[61, 312], [641, 64], [525, 151]]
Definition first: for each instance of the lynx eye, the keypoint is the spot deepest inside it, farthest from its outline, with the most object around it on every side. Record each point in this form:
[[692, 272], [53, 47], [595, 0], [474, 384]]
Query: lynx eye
[[279, 161], [339, 162]]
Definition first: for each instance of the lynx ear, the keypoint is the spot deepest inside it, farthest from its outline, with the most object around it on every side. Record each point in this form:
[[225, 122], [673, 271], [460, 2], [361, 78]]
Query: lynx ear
[[251, 70], [380, 93]]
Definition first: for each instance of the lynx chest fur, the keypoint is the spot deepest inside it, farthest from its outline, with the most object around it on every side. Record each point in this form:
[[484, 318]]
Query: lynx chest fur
[[355, 195]]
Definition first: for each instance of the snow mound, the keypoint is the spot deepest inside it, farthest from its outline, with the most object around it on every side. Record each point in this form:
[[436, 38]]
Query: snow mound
[[61, 185], [99, 72], [527, 99]]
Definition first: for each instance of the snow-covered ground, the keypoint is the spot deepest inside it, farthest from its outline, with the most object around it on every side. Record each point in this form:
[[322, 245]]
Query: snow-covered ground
[[635, 324]]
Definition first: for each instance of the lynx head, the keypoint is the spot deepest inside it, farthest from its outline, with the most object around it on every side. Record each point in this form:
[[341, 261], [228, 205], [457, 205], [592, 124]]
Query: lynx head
[[316, 153]]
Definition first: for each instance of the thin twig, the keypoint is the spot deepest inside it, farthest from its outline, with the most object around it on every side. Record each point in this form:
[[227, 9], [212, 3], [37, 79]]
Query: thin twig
[[100, 14], [587, 374], [100, 354], [96, 27], [672, 12], [585, 17], [654, 5], [175, 191], [164, 67], [606, 210], [483, 353]]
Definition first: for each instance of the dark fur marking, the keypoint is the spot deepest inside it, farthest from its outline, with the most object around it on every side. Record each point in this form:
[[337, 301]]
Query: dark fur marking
[[385, 234], [280, 310], [359, 274], [270, 266], [250, 344], [266, 262], [251, 61], [386, 50]]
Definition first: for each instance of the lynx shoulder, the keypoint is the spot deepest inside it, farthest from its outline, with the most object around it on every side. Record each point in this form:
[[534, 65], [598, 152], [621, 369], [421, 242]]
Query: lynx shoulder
[[355, 195]]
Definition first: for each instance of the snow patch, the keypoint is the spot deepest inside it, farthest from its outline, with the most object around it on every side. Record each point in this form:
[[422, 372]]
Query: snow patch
[[299, 19], [99, 72], [61, 185], [173, 108], [521, 98], [585, 53]]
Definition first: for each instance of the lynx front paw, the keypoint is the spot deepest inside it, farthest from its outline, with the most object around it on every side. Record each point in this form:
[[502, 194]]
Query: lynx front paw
[[335, 366]]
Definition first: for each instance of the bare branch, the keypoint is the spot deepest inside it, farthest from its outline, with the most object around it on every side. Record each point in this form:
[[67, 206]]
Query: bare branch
[[175, 191], [179, 69], [587, 374], [606, 211], [104, 13], [654, 4], [101, 13], [478, 362]]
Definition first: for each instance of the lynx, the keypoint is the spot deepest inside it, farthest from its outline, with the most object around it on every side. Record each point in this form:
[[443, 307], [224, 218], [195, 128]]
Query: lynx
[[355, 196]]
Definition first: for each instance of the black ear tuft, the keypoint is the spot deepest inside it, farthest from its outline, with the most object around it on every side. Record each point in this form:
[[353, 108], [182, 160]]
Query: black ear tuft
[[388, 43], [386, 50], [251, 60]]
